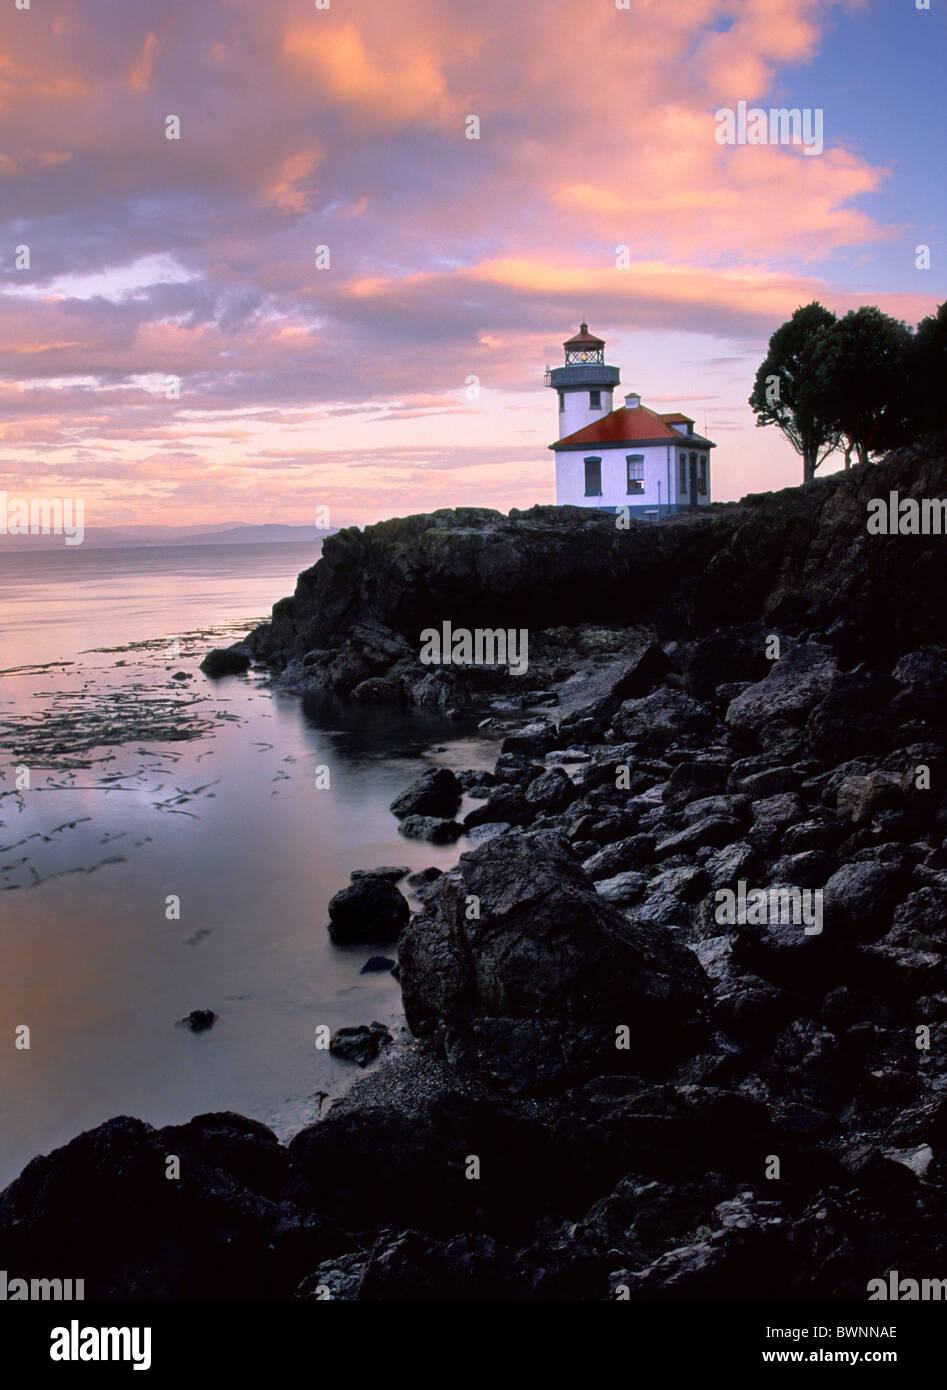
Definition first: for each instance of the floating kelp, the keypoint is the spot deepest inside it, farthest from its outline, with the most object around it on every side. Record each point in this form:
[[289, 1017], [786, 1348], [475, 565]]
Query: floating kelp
[[77, 723]]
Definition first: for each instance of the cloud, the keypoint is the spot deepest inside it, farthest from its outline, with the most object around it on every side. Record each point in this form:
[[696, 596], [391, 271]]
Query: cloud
[[449, 257], [139, 78]]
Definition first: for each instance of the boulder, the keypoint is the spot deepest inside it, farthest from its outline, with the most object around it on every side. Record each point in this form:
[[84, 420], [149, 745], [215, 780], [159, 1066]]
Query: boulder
[[635, 852], [533, 741], [360, 1044], [859, 899], [102, 1207], [664, 715], [541, 949], [714, 831], [553, 790], [622, 888], [436, 792], [853, 717], [431, 829], [773, 815], [375, 1162], [227, 661], [370, 909], [796, 682], [393, 873], [694, 779]]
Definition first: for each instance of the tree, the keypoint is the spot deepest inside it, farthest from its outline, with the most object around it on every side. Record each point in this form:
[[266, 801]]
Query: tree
[[928, 375], [858, 381], [781, 394]]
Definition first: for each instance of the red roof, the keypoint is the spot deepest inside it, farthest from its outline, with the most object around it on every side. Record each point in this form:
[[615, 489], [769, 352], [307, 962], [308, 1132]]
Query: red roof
[[584, 339], [625, 426], [676, 416]]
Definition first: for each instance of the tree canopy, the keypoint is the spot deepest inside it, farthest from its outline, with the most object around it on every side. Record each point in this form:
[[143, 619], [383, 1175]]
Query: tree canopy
[[782, 393]]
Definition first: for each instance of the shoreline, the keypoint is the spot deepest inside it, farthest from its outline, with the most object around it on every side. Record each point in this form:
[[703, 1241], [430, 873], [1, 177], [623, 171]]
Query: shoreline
[[608, 1090]]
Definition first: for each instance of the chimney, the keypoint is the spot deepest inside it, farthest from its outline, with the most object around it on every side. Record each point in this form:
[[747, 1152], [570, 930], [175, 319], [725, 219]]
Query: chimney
[[632, 400]]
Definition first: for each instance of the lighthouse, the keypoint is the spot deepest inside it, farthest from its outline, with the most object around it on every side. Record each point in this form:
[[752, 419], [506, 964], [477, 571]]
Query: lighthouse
[[632, 458], [585, 384]]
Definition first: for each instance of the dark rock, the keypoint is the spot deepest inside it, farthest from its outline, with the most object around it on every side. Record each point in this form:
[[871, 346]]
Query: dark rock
[[505, 803], [852, 717], [436, 792], [732, 807], [796, 682], [199, 1020], [664, 715], [773, 815], [615, 1125], [377, 1163], [478, 833], [392, 873], [769, 781], [135, 1234], [429, 828], [245, 1149], [750, 1256], [533, 741], [227, 661], [810, 869], [633, 853], [547, 950], [551, 791], [423, 877], [622, 888], [924, 674], [694, 779], [360, 1044], [859, 798], [669, 896], [370, 909], [859, 899], [735, 861], [714, 831], [813, 834], [377, 964], [514, 769]]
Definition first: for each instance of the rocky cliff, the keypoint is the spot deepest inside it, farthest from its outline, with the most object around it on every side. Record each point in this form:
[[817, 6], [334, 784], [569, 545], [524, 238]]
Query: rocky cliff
[[801, 558], [667, 1094]]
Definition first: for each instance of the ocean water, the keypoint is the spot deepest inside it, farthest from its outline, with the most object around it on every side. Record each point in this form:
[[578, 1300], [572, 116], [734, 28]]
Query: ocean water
[[105, 818]]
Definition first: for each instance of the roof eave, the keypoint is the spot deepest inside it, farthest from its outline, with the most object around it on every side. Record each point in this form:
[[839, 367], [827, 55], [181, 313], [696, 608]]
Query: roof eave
[[563, 445]]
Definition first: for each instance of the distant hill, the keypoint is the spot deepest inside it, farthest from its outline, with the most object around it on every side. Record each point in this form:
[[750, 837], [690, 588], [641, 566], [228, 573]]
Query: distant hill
[[225, 533]]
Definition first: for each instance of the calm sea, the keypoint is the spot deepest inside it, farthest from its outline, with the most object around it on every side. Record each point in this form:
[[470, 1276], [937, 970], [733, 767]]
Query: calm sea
[[106, 820]]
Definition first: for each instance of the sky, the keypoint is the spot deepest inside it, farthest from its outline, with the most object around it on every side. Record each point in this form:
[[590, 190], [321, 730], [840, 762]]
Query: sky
[[402, 370]]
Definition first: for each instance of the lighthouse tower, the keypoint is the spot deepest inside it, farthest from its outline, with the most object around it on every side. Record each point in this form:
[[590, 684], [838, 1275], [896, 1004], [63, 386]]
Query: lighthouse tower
[[584, 384]]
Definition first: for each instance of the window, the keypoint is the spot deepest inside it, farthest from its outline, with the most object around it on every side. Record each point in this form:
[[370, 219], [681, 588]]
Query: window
[[683, 473], [562, 400], [595, 400], [702, 476], [635, 472], [593, 477]]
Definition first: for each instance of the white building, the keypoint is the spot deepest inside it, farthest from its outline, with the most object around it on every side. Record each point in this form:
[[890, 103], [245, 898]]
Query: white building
[[630, 457]]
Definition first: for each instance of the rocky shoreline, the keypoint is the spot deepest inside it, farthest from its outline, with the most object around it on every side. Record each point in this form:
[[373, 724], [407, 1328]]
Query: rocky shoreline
[[607, 1088]]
